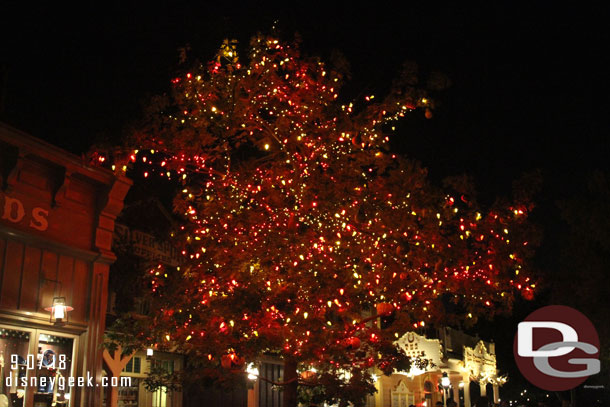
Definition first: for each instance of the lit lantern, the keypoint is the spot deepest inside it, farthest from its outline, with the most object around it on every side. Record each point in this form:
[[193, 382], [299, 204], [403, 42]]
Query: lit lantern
[[445, 380], [252, 371], [149, 353], [59, 311]]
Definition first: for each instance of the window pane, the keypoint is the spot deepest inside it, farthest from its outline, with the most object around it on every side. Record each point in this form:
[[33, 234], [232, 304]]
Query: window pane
[[55, 362], [128, 396], [160, 397], [14, 347], [136, 365]]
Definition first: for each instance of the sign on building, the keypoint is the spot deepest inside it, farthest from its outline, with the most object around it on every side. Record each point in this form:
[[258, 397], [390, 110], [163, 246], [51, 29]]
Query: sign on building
[[147, 246]]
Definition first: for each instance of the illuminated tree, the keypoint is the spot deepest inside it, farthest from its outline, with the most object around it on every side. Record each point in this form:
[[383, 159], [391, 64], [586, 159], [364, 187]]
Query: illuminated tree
[[302, 229]]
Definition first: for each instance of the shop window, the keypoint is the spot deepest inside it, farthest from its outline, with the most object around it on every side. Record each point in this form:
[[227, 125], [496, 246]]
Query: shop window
[[160, 398], [54, 365], [401, 396], [129, 395], [428, 389], [428, 386], [35, 362], [164, 365], [14, 346]]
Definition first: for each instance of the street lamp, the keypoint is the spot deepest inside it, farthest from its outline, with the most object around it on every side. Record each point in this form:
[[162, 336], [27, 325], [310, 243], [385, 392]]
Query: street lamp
[[445, 383], [253, 374], [252, 371]]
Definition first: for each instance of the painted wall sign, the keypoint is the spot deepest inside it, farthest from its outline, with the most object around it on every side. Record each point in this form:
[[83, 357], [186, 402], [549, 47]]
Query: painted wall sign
[[147, 246], [14, 211]]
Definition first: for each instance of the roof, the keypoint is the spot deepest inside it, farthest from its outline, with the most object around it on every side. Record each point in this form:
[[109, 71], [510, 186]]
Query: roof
[[29, 145]]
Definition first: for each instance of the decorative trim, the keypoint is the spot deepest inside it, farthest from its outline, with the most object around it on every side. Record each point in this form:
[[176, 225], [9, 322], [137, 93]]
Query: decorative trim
[[49, 152], [38, 320], [47, 244]]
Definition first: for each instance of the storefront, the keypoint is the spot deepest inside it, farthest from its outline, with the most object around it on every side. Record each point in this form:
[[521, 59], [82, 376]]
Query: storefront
[[131, 371], [455, 366], [131, 390], [56, 224]]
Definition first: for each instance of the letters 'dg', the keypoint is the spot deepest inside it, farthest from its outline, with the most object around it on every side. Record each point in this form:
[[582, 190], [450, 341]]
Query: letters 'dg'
[[567, 348]]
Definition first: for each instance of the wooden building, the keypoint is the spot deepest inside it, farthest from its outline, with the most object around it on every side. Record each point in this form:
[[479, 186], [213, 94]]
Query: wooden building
[[56, 225]]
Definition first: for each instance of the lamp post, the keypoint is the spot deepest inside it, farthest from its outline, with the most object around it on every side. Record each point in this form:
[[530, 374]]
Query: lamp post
[[445, 383]]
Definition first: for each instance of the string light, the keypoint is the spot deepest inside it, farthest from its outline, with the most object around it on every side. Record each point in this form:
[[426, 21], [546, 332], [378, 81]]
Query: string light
[[299, 223]]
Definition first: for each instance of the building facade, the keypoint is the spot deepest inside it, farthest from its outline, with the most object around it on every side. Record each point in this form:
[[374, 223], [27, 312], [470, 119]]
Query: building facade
[[133, 392], [56, 225], [467, 362], [137, 249]]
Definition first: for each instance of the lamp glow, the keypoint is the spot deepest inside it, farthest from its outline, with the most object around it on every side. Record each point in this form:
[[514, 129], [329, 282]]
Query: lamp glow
[[59, 311], [445, 380], [252, 371]]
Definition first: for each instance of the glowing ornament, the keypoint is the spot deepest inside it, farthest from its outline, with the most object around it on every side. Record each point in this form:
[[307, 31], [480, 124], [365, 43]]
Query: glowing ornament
[[232, 361], [384, 309], [308, 374], [352, 343]]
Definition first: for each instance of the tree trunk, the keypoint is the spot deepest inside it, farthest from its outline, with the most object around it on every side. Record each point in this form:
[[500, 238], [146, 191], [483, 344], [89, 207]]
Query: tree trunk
[[290, 389]]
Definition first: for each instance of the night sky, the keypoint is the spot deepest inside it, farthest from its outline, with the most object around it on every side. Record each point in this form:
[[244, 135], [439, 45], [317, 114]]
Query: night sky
[[529, 86]]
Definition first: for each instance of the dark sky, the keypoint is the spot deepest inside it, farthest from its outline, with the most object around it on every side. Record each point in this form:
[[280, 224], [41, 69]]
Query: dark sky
[[529, 87]]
